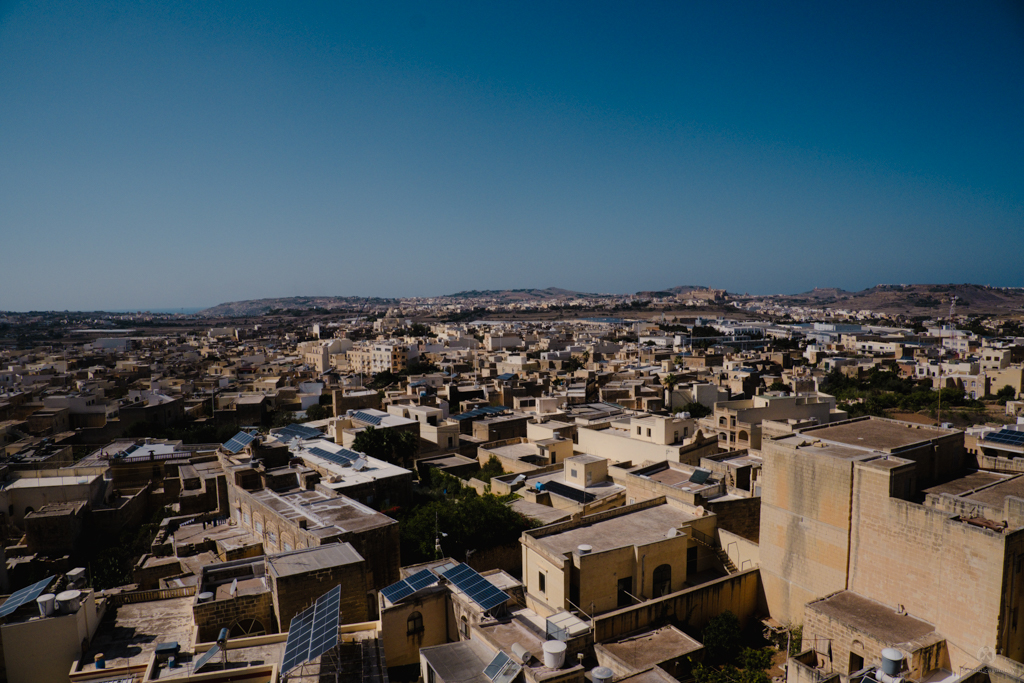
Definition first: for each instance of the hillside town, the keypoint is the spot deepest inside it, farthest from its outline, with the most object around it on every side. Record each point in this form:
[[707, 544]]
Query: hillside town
[[684, 495]]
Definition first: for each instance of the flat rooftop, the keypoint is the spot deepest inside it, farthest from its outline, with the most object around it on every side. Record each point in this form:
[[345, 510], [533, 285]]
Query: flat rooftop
[[654, 647], [968, 483], [312, 559], [873, 618], [638, 527], [138, 628], [877, 434]]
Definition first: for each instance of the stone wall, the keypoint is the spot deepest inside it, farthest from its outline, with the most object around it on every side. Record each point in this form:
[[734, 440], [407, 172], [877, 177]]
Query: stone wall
[[964, 579], [690, 609], [211, 617], [294, 593]]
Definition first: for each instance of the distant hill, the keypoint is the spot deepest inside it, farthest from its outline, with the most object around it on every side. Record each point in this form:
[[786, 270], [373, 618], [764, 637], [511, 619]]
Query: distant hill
[[517, 294], [256, 307], [930, 300], [925, 300]]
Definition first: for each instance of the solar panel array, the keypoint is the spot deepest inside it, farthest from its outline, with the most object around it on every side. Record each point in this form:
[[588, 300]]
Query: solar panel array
[[1006, 436], [480, 412], [294, 431], [408, 586], [344, 457], [480, 590], [24, 596], [205, 659], [313, 631], [502, 668], [239, 441], [569, 492], [367, 417], [699, 476]]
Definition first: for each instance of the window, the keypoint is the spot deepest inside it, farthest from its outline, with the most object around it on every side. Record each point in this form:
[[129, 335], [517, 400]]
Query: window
[[414, 624], [542, 582], [638, 430], [572, 473], [648, 431], [465, 627], [662, 580]]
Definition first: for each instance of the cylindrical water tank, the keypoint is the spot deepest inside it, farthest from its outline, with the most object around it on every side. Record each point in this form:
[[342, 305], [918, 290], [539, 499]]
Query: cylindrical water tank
[[602, 674], [46, 604], [205, 596], [69, 601], [584, 549], [892, 661], [554, 654], [522, 655]]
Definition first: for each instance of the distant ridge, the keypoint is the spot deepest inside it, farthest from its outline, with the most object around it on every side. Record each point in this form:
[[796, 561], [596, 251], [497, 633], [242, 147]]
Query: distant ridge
[[918, 299]]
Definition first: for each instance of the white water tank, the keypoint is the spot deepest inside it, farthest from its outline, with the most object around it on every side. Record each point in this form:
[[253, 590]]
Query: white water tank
[[68, 602], [584, 549], [46, 604], [554, 654], [602, 674], [205, 596]]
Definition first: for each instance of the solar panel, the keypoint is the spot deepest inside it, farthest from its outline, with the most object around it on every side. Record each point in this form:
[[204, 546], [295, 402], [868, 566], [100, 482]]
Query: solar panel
[[295, 431], [205, 659], [406, 587], [496, 665], [477, 588], [297, 647], [24, 596], [367, 417], [313, 631], [239, 441], [569, 492], [699, 476], [502, 669], [1007, 436]]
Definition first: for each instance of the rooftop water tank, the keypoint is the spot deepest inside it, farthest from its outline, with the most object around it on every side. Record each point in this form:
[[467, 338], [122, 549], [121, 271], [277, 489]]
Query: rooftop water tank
[[68, 602], [892, 661], [205, 596], [554, 654], [46, 604], [601, 674], [584, 549]]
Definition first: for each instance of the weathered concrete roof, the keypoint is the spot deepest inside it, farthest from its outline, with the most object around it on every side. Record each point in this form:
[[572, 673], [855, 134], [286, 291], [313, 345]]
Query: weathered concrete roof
[[874, 618], [311, 559], [882, 435], [638, 527], [653, 647]]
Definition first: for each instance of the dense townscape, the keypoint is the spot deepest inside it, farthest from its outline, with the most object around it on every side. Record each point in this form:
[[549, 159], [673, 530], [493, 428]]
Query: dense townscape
[[530, 485]]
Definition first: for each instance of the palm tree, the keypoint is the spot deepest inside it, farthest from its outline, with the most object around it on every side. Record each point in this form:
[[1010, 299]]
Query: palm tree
[[670, 381]]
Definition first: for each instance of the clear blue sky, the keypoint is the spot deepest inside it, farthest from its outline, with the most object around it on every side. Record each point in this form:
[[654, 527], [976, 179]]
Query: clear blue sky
[[155, 155]]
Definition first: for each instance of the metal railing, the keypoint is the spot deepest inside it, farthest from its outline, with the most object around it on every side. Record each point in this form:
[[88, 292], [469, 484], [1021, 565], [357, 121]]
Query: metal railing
[[130, 597]]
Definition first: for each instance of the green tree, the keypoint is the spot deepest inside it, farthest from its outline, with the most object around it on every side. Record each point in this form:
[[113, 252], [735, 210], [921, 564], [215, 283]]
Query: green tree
[[696, 410], [492, 468], [778, 385], [1005, 394], [390, 445], [670, 381], [721, 638], [318, 412], [468, 522]]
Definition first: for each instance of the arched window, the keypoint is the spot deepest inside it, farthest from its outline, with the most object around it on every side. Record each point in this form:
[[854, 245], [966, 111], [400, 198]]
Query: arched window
[[247, 627], [722, 421], [743, 436], [414, 624], [662, 580]]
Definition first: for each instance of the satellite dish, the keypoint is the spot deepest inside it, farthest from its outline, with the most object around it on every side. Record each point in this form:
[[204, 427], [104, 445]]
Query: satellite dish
[[672, 533], [518, 480]]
